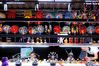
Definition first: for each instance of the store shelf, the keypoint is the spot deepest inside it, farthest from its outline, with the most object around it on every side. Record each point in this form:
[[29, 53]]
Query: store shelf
[[46, 20], [81, 45], [53, 1], [18, 44], [46, 36]]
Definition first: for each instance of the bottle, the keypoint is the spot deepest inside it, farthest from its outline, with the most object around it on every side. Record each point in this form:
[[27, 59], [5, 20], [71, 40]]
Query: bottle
[[65, 41], [46, 28], [81, 40], [37, 40], [32, 41], [41, 41], [72, 30], [70, 40], [75, 40], [45, 41], [28, 40]]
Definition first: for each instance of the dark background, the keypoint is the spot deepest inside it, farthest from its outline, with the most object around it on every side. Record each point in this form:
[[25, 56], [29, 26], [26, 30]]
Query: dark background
[[43, 52]]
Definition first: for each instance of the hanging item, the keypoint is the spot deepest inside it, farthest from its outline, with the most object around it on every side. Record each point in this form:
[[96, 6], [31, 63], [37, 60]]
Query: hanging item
[[66, 29], [93, 16], [36, 29], [30, 30], [6, 28], [40, 29], [50, 29], [23, 30], [82, 29], [90, 29], [57, 29], [59, 16], [27, 14], [14, 29], [97, 29], [39, 15], [49, 15], [79, 16], [74, 28], [11, 14], [46, 28], [68, 15], [74, 15], [0, 28], [74, 23], [84, 16], [2, 15]]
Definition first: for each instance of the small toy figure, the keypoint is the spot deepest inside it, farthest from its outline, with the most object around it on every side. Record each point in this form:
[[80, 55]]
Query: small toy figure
[[52, 57], [70, 58], [5, 61]]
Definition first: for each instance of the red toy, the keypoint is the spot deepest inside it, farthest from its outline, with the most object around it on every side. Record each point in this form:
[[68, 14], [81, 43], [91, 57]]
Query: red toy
[[97, 29], [14, 29], [57, 29], [82, 29], [39, 15]]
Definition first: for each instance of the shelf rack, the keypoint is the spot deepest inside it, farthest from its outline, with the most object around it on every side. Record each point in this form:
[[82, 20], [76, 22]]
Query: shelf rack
[[47, 36], [17, 44], [42, 2], [12, 44], [46, 20]]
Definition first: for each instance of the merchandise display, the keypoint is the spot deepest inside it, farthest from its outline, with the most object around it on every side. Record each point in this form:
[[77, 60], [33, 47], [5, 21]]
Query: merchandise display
[[97, 29], [49, 33], [6, 28], [23, 30], [14, 29], [2, 15], [49, 16], [73, 29]]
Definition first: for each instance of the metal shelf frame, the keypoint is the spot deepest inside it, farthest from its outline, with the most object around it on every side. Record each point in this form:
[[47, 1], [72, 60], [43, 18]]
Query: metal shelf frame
[[46, 20], [47, 36], [17, 44], [53, 1]]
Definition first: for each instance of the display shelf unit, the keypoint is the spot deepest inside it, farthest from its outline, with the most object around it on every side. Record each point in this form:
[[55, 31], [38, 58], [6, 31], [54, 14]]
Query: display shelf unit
[[47, 36], [32, 20], [19, 44], [44, 2], [47, 20], [24, 44]]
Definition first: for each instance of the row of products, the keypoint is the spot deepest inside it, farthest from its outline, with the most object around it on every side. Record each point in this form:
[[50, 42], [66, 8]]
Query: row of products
[[37, 40], [60, 40], [57, 29], [75, 40], [60, 15]]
